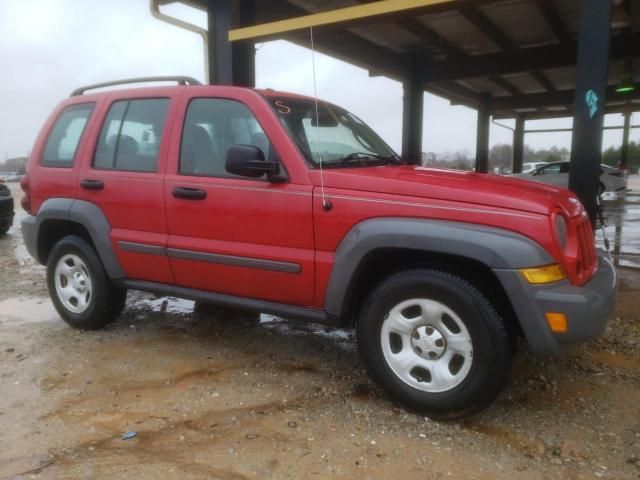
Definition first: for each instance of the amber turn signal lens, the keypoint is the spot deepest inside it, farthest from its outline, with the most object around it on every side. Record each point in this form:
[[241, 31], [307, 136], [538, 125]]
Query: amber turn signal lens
[[557, 322], [546, 274]]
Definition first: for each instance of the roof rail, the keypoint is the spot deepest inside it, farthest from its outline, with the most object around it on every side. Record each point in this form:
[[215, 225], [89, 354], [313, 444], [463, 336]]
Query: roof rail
[[180, 79]]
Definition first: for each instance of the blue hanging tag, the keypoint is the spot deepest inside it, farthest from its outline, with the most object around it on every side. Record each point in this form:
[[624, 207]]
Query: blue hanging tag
[[591, 98]]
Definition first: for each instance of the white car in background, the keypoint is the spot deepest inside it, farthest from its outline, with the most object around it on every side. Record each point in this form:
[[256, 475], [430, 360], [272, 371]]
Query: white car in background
[[528, 167], [557, 173]]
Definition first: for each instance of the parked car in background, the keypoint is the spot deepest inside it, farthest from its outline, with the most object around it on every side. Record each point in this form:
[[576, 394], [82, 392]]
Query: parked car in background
[[557, 173], [13, 178], [528, 167], [615, 179], [6, 208], [10, 176]]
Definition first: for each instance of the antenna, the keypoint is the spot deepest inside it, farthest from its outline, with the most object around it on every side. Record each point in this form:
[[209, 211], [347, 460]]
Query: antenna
[[325, 203]]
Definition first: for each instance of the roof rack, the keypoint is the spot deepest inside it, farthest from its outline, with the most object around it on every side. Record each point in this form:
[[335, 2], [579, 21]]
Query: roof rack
[[180, 79]]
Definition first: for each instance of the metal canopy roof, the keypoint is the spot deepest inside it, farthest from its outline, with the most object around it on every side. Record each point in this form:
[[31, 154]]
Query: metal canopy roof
[[516, 56]]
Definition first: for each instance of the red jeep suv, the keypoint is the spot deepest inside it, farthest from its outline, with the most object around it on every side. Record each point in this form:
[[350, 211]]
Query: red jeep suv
[[279, 203]]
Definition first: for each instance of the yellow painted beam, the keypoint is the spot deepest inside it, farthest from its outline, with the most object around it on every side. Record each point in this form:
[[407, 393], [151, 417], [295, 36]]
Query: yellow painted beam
[[331, 17]]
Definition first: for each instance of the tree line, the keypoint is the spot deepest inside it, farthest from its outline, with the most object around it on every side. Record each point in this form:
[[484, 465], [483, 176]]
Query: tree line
[[611, 156], [501, 157]]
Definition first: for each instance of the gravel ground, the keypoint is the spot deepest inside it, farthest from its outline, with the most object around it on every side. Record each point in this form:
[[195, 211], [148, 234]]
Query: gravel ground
[[211, 396]]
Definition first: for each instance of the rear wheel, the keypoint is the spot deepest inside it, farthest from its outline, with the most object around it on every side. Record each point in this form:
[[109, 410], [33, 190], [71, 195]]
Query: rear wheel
[[434, 343], [79, 288]]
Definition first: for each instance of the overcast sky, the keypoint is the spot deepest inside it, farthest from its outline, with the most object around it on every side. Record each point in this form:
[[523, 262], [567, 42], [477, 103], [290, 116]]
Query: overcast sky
[[50, 47]]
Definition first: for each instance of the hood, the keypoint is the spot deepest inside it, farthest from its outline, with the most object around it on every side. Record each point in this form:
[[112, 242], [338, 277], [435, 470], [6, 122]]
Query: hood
[[453, 185]]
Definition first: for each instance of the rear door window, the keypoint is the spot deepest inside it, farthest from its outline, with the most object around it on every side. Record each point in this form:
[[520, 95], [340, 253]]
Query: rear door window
[[550, 170], [131, 134], [64, 138]]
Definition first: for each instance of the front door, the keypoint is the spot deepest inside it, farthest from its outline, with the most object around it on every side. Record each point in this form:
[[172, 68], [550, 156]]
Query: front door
[[230, 234]]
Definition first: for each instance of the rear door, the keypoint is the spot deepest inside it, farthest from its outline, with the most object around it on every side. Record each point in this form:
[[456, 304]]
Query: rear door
[[236, 235], [124, 177], [66, 139]]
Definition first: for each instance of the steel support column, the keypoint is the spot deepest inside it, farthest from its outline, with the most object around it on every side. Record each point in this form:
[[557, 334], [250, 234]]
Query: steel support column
[[482, 138], [230, 63], [518, 144], [219, 14], [412, 118], [244, 51], [589, 102], [624, 148]]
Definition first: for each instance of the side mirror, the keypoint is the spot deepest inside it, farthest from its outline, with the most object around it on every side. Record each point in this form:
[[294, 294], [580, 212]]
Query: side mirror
[[248, 161]]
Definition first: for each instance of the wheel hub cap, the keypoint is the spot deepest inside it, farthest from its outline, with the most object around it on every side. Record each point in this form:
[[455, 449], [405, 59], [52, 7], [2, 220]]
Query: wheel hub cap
[[79, 281], [73, 283], [428, 342], [426, 345]]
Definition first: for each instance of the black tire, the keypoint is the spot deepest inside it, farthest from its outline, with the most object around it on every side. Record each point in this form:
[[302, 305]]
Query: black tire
[[104, 303], [5, 226], [491, 350]]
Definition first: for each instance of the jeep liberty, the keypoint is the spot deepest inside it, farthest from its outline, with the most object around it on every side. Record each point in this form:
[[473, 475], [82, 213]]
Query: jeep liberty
[[266, 201]]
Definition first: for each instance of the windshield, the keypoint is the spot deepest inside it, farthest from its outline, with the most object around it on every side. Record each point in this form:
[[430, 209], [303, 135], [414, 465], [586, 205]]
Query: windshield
[[337, 138]]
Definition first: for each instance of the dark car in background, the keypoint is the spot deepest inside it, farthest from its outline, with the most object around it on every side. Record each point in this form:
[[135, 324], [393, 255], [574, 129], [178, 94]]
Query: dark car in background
[[6, 208]]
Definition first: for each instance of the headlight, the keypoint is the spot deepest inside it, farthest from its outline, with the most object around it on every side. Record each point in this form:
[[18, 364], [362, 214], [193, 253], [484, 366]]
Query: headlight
[[561, 231]]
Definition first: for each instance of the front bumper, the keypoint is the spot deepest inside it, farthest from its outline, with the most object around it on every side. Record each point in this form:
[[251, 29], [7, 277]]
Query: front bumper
[[587, 307]]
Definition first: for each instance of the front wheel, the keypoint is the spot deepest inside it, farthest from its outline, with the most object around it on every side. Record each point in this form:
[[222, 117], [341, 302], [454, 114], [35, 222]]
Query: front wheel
[[434, 343], [79, 288]]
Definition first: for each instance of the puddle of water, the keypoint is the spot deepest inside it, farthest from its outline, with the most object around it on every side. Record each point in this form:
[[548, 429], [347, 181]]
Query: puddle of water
[[268, 318], [28, 310], [25, 261], [343, 338], [21, 253], [168, 304], [613, 196], [271, 322], [180, 306]]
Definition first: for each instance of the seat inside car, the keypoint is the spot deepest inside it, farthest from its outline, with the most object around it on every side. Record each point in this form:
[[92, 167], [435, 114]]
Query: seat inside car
[[197, 151]]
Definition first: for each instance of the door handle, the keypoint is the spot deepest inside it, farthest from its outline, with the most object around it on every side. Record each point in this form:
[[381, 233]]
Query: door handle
[[189, 193], [89, 184]]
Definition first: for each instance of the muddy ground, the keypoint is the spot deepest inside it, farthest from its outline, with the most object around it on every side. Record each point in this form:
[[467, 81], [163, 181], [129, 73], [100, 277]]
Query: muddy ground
[[246, 398]]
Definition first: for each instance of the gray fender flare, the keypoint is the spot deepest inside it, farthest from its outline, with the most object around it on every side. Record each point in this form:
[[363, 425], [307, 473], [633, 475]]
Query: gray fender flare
[[89, 216], [494, 247]]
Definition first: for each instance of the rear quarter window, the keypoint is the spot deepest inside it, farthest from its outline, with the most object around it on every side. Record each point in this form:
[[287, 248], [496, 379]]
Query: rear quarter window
[[66, 133]]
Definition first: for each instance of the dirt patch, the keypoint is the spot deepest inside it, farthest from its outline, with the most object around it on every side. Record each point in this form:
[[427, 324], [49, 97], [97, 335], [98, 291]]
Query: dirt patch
[[210, 396]]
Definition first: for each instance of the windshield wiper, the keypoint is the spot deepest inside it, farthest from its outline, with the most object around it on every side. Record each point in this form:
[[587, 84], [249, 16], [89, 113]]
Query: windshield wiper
[[361, 157]]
